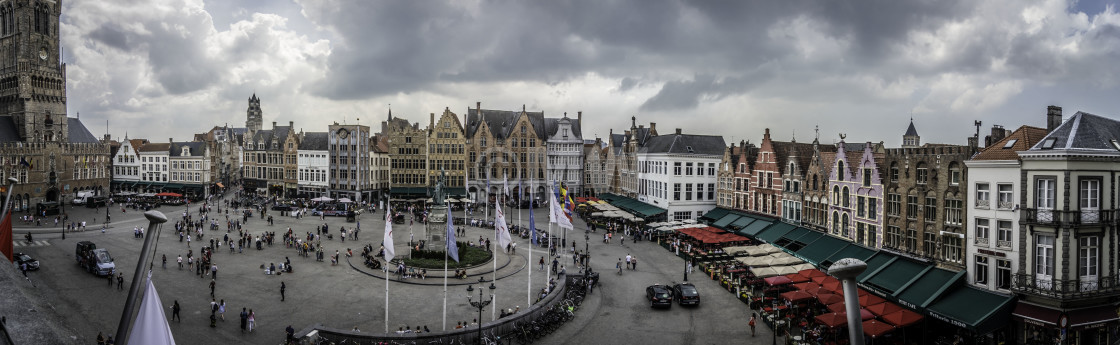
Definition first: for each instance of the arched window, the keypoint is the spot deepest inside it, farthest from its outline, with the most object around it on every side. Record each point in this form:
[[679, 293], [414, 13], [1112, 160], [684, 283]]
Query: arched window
[[835, 195], [835, 222], [840, 170], [815, 186], [844, 225], [845, 197]]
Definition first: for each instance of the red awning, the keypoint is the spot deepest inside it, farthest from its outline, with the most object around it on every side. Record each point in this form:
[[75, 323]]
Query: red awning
[[884, 308], [796, 296], [1091, 316], [829, 298], [875, 328], [777, 280], [832, 319], [1036, 313], [798, 278], [824, 279], [812, 273], [869, 300], [903, 318], [806, 286], [837, 307]]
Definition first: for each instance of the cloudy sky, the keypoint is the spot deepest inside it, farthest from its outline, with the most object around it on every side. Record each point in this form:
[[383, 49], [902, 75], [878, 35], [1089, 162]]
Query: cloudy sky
[[170, 68]]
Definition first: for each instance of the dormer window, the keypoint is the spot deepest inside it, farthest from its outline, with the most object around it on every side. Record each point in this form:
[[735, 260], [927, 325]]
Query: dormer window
[[186, 151], [1049, 143]]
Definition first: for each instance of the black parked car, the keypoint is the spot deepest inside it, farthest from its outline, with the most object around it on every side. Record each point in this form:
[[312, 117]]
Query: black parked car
[[659, 295], [686, 294], [32, 264]]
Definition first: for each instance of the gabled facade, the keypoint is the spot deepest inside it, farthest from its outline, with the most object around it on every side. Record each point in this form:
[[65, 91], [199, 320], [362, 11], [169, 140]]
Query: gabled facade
[[447, 144], [408, 156], [565, 152], [856, 208], [270, 165], [814, 199], [379, 166], [505, 145], [596, 176], [126, 164], [677, 172]]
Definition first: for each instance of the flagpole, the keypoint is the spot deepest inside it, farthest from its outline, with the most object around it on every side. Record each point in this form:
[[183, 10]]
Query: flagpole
[[548, 266], [529, 265], [446, 248]]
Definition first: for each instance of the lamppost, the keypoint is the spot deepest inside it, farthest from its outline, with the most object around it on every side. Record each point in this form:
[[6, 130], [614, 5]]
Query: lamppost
[[480, 304], [777, 318]]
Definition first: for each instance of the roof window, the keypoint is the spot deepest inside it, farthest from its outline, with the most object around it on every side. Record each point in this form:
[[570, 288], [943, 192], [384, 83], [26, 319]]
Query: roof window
[[1049, 143], [689, 148], [1010, 143]]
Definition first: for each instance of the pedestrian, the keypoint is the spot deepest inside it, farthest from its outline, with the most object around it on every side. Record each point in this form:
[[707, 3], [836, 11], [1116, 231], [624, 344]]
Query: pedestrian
[[618, 265], [252, 320], [541, 264], [175, 311], [222, 309], [751, 323], [164, 261], [282, 287], [214, 271], [244, 319], [180, 260], [628, 257], [100, 338], [110, 277], [212, 284], [634, 263], [120, 281]]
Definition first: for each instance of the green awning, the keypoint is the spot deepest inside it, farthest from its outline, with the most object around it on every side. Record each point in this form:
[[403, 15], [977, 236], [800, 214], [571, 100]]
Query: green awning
[[795, 233], [874, 262], [774, 232], [173, 186], [851, 251], [974, 309], [928, 287], [634, 206], [817, 251], [715, 214], [408, 191], [725, 221], [755, 228], [741, 223], [895, 275]]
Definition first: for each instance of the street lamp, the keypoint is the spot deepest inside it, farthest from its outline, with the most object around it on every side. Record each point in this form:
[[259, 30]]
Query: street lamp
[[480, 304], [777, 317]]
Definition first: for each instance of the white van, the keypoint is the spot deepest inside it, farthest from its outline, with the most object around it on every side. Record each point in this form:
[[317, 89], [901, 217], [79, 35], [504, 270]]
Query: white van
[[81, 198]]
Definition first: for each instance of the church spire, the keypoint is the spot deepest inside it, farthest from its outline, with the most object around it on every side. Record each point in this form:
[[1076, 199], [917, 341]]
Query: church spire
[[911, 137]]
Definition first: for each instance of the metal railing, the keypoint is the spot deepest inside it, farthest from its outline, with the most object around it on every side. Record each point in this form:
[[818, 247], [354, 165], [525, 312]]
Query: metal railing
[[982, 203], [1003, 244], [982, 241], [1066, 289], [1056, 218]]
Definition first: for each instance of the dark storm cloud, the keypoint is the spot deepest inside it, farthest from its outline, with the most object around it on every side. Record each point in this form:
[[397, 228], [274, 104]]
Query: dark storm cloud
[[391, 47], [111, 35]]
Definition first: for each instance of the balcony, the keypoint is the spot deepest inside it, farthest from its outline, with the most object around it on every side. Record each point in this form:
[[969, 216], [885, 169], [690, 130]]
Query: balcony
[[1066, 289], [1057, 218], [982, 241], [1003, 244], [982, 203]]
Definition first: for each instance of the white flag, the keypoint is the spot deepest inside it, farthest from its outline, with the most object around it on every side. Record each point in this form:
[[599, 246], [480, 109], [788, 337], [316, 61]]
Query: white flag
[[390, 252], [151, 325], [557, 213], [501, 229], [505, 181]]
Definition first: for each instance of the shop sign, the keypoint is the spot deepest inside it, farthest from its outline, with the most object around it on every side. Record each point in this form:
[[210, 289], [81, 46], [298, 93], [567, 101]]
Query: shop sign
[[948, 320]]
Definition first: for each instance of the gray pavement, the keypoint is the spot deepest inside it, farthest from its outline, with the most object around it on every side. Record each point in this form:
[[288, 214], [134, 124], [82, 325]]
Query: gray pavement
[[342, 297]]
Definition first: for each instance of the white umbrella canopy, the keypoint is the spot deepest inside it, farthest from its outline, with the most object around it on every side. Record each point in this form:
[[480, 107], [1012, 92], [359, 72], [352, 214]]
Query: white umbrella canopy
[[322, 198], [344, 200], [733, 251], [764, 272], [784, 270]]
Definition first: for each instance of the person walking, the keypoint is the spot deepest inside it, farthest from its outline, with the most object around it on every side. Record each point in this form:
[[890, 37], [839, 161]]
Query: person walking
[[628, 257], [634, 263], [212, 284], [252, 320], [618, 265], [751, 323], [282, 287], [175, 312], [541, 264], [222, 309], [120, 281], [214, 271], [244, 319], [165, 261], [180, 261]]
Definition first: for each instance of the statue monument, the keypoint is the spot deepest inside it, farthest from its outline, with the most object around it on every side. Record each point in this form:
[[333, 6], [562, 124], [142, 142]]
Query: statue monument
[[436, 229]]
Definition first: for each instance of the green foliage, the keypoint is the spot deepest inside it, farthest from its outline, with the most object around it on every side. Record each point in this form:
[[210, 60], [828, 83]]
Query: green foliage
[[433, 259]]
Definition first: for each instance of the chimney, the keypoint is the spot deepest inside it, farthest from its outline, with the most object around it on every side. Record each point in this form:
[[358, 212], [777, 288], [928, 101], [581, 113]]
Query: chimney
[[292, 124], [478, 106], [273, 124], [432, 120], [1053, 117], [653, 127], [633, 121], [171, 140], [678, 131], [579, 117]]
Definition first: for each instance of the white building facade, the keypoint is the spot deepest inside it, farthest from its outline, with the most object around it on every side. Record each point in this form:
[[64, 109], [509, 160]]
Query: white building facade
[[153, 166], [677, 172], [188, 169], [313, 165], [126, 165], [565, 153]]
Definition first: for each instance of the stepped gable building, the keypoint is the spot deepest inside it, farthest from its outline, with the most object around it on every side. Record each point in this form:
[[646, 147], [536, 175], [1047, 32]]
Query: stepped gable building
[[612, 166], [379, 166], [596, 175], [744, 166], [925, 194], [856, 186], [506, 144], [224, 146], [814, 200], [725, 175], [313, 165], [52, 155], [408, 157], [1067, 260], [447, 151], [565, 154], [634, 140]]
